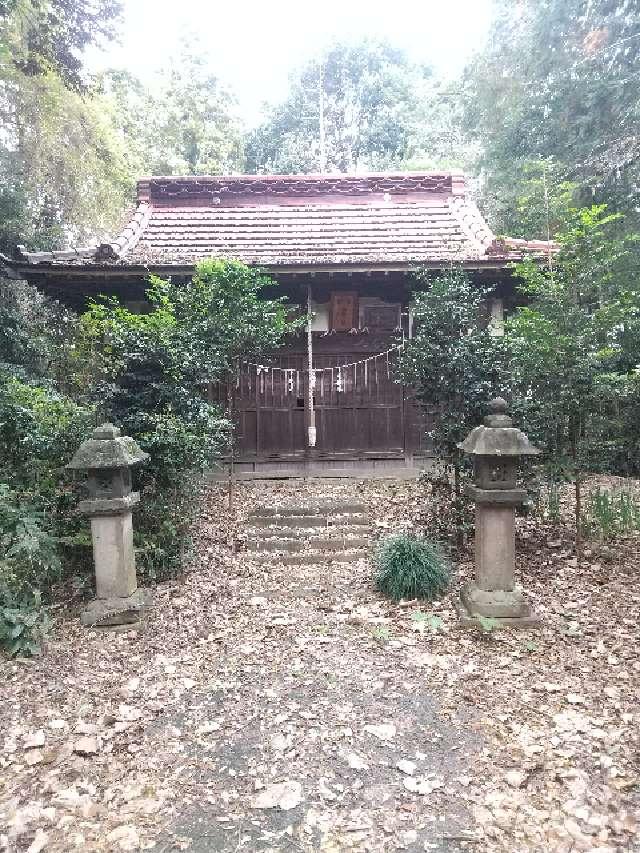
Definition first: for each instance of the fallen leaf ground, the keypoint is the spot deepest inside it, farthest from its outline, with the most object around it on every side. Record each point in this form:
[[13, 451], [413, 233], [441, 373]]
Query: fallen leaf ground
[[264, 707]]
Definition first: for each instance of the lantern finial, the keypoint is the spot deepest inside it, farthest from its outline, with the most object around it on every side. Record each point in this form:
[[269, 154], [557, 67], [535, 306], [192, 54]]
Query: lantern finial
[[105, 432], [498, 416]]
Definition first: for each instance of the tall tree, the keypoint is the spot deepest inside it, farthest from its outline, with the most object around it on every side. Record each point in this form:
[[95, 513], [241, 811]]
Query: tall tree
[[69, 159], [455, 364], [354, 106], [63, 175], [575, 346], [556, 93], [42, 36], [185, 122], [197, 130]]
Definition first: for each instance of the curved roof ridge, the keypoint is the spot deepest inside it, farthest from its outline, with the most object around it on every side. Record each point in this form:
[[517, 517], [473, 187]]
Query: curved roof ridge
[[310, 176], [129, 236], [473, 222], [108, 251], [71, 254]]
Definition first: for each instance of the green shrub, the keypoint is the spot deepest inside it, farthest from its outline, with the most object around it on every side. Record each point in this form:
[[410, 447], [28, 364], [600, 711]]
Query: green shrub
[[410, 567], [29, 564], [611, 514], [40, 429], [23, 623], [154, 369]]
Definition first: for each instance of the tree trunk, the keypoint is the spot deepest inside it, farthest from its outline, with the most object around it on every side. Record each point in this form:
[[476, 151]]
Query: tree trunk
[[457, 498], [578, 492], [577, 437]]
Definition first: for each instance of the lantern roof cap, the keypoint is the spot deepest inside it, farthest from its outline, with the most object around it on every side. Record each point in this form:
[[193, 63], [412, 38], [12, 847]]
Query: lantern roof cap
[[107, 449], [497, 436]]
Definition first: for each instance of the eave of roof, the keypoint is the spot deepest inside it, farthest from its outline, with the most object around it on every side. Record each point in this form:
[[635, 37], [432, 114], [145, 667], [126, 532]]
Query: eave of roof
[[143, 271]]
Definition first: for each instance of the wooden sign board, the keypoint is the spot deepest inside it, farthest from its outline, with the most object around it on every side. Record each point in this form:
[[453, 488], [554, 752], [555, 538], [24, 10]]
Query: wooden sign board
[[381, 318], [344, 311]]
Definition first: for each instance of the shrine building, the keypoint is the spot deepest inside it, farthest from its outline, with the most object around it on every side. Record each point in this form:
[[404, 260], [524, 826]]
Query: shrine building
[[347, 243]]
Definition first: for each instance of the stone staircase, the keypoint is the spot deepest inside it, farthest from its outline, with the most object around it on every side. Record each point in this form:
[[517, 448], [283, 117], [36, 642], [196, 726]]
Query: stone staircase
[[309, 535]]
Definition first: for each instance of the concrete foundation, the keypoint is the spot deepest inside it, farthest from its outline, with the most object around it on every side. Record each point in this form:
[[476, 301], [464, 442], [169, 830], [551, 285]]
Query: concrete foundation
[[507, 607], [469, 618]]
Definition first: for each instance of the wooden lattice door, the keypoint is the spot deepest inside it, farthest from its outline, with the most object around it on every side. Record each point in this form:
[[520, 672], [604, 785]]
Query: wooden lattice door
[[359, 406]]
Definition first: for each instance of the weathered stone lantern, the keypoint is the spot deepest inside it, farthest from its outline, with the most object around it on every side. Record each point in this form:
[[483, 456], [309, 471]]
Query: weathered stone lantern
[[107, 457], [496, 448]]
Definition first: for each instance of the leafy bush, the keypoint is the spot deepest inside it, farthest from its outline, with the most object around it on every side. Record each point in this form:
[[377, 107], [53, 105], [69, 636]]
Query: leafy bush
[[154, 370], [456, 364], [35, 332], [61, 374], [29, 563], [41, 425], [410, 567], [40, 429], [22, 625]]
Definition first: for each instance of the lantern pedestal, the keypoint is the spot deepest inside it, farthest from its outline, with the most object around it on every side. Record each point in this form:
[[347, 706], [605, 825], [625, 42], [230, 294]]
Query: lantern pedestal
[[509, 608], [113, 555], [118, 599], [115, 613]]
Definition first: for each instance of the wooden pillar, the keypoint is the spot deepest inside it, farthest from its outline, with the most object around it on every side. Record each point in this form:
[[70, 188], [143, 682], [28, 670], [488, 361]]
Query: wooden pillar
[[310, 415]]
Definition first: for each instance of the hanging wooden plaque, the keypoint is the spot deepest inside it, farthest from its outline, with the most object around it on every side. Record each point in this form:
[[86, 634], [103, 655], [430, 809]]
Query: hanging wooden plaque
[[381, 318], [344, 311]]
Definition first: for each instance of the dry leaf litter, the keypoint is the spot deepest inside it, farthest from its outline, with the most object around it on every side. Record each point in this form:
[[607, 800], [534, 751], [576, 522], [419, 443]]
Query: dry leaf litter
[[272, 707]]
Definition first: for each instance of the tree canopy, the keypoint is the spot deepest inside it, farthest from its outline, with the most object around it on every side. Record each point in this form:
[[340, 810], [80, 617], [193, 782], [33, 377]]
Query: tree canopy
[[555, 94], [544, 116], [368, 96], [38, 37]]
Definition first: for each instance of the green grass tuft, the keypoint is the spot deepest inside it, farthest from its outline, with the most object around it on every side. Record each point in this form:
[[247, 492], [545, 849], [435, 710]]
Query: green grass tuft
[[408, 566]]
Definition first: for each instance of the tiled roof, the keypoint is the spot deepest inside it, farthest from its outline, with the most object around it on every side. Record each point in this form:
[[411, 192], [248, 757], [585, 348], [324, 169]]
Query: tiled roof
[[398, 220]]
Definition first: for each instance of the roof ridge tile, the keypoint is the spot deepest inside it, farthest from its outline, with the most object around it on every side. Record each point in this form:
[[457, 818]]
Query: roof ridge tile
[[181, 187]]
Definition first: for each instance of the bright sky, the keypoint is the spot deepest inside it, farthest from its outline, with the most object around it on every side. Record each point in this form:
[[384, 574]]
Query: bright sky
[[254, 45]]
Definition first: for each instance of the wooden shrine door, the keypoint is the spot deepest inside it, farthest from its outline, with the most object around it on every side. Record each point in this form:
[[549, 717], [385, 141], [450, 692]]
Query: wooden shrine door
[[269, 407], [359, 408]]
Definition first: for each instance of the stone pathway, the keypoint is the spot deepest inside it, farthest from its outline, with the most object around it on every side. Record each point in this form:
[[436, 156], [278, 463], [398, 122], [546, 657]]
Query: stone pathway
[[322, 702]]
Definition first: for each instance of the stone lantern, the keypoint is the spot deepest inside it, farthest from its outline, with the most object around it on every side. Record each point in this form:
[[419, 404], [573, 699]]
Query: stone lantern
[[496, 448], [107, 458]]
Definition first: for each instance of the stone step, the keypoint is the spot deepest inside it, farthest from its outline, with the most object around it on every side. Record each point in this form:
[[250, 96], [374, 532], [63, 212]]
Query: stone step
[[337, 543], [316, 543], [348, 518], [317, 558], [316, 509], [286, 545], [344, 530], [288, 521]]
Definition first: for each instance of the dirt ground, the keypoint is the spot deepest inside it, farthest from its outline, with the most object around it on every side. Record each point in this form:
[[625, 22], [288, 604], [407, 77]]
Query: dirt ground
[[279, 708]]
